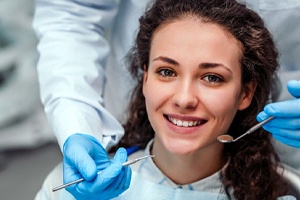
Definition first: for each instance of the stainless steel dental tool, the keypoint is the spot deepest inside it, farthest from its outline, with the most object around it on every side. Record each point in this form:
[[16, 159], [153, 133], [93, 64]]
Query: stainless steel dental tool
[[229, 138], [130, 162]]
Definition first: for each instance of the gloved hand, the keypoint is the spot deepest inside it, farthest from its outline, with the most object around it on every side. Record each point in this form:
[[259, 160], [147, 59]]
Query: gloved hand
[[84, 156], [285, 127]]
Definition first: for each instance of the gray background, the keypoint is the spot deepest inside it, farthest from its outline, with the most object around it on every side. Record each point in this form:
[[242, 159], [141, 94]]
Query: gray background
[[28, 149]]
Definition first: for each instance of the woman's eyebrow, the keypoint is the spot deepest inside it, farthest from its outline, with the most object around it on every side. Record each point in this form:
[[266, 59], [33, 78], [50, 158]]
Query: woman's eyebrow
[[167, 60], [201, 65], [213, 65]]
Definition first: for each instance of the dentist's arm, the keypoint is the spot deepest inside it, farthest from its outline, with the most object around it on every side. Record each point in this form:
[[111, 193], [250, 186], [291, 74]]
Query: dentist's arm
[[72, 54]]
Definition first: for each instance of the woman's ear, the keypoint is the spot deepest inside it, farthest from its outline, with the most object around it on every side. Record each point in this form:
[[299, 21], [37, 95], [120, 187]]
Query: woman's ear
[[145, 76], [247, 95]]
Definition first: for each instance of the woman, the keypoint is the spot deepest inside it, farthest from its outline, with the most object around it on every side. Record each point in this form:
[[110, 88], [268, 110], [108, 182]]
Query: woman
[[203, 68], [207, 71]]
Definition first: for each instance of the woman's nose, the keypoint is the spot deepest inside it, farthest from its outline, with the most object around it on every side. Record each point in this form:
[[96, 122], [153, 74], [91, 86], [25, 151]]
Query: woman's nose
[[186, 96]]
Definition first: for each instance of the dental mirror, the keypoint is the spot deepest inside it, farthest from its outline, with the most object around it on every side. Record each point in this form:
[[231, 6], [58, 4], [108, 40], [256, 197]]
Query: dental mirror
[[229, 138]]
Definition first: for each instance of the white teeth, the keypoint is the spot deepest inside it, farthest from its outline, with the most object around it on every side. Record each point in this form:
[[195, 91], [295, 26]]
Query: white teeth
[[179, 123], [184, 123]]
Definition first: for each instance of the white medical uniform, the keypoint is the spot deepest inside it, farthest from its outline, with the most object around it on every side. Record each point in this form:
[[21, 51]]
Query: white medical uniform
[[83, 79]]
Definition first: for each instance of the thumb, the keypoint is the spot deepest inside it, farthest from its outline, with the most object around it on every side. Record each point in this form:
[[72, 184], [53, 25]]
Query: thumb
[[120, 156], [116, 165]]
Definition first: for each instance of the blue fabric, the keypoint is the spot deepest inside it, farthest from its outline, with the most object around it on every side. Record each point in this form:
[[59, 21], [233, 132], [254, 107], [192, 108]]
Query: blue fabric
[[132, 150]]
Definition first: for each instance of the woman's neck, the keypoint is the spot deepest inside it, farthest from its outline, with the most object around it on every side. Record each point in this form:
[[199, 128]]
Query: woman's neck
[[185, 169]]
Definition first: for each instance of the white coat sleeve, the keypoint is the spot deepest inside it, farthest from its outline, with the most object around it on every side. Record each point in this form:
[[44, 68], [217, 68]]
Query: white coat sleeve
[[72, 53]]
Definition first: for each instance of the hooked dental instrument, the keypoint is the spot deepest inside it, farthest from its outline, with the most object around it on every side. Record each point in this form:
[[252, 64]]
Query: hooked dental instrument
[[82, 179]]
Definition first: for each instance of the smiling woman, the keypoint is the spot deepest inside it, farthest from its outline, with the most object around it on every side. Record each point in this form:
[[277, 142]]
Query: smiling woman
[[203, 69]]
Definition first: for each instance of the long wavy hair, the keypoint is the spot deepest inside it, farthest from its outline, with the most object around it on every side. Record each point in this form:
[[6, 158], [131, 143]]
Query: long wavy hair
[[252, 161]]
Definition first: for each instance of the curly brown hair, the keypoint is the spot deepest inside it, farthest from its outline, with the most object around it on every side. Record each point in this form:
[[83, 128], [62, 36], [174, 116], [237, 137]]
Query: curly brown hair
[[252, 161]]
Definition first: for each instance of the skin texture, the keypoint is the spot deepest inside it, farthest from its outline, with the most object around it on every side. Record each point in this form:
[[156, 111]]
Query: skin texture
[[194, 79]]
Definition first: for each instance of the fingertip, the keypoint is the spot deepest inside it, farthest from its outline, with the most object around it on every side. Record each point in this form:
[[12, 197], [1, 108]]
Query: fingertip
[[293, 83], [293, 87], [122, 150], [124, 183], [271, 109], [261, 116], [121, 155]]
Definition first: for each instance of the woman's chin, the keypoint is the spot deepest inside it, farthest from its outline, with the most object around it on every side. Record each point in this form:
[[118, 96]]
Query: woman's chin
[[181, 147]]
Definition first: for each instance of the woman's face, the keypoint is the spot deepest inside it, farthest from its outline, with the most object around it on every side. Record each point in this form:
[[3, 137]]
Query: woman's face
[[193, 85]]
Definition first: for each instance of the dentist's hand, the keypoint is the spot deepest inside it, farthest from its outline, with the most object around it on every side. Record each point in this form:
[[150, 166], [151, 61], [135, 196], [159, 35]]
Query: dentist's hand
[[285, 127], [84, 156]]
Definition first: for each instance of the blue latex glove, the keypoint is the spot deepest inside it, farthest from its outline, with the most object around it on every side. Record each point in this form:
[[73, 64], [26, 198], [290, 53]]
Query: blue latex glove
[[285, 127], [84, 156]]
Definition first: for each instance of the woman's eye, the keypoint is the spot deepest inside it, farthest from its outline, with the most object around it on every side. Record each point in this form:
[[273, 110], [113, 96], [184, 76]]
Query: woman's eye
[[213, 79], [166, 72]]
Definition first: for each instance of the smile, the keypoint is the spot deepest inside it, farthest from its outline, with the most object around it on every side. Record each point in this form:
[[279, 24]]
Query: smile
[[184, 123]]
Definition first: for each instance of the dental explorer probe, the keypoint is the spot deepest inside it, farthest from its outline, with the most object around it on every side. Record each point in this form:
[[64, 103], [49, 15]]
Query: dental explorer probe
[[229, 138], [82, 179]]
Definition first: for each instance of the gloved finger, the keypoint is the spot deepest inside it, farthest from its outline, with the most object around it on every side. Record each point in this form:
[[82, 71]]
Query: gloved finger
[[283, 123], [128, 173], [102, 180], [120, 156], [119, 181], [293, 87], [286, 133], [86, 154], [289, 108], [116, 166], [78, 157], [122, 181], [287, 141], [70, 173], [261, 116], [126, 180], [109, 174], [117, 173], [116, 187]]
